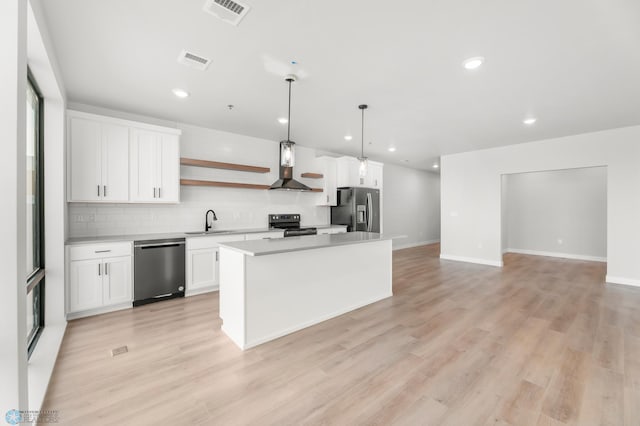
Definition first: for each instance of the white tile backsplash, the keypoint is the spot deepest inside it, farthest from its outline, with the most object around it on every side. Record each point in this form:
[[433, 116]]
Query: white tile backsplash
[[235, 209]]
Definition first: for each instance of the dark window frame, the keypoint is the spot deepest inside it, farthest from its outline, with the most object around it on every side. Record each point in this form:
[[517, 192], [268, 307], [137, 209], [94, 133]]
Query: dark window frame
[[36, 280]]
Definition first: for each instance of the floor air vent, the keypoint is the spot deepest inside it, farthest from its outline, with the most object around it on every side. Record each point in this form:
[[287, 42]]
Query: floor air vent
[[193, 60], [119, 350], [229, 11]]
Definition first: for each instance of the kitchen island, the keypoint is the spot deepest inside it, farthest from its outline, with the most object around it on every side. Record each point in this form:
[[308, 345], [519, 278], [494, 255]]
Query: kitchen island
[[270, 288]]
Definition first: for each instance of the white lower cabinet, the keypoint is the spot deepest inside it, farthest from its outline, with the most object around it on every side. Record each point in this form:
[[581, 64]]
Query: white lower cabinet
[[264, 235], [202, 262], [334, 230], [203, 259], [99, 278]]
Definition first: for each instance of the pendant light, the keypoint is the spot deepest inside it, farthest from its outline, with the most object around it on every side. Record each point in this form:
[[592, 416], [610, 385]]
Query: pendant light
[[363, 160], [287, 157]]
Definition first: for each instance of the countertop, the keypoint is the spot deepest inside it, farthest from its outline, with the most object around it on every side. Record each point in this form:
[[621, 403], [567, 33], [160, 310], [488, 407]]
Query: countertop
[[162, 236], [307, 242]]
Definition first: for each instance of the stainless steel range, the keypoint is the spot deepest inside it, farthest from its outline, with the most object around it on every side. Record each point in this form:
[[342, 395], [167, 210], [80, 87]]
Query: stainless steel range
[[291, 225]]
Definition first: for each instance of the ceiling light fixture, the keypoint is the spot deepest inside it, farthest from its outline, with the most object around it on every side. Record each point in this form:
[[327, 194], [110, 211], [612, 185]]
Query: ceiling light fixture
[[180, 93], [530, 121], [392, 149], [283, 120], [436, 166], [348, 138], [473, 63], [363, 160]]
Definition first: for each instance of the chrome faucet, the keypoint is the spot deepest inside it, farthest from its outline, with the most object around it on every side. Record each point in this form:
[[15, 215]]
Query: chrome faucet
[[208, 226]]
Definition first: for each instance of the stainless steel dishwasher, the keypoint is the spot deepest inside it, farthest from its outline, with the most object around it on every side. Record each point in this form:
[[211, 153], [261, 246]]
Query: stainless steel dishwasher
[[158, 270]]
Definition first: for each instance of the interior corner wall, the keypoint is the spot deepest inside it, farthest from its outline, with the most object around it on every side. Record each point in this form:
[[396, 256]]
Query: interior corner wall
[[561, 213], [13, 312], [411, 205], [471, 192]]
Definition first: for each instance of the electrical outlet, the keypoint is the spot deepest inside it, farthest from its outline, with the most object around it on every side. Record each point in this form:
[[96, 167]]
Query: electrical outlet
[[119, 350]]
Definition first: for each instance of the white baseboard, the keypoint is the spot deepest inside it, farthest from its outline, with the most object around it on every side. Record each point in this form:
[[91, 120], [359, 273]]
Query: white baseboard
[[621, 280], [555, 254], [471, 260], [419, 243], [202, 290], [98, 311]]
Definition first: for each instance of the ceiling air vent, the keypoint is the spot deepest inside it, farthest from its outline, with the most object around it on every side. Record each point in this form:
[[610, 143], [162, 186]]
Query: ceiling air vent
[[229, 11], [193, 60]]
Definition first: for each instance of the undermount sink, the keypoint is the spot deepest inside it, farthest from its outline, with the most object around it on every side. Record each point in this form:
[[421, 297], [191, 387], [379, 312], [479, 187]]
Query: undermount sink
[[207, 232]]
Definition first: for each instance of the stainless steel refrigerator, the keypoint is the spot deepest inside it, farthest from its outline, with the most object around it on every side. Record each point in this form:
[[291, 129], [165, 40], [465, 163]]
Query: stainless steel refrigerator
[[358, 208]]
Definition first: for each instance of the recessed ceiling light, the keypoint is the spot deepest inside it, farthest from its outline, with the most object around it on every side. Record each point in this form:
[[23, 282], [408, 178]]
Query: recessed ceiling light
[[436, 166], [392, 149], [348, 138], [529, 121], [473, 63], [283, 120], [180, 93]]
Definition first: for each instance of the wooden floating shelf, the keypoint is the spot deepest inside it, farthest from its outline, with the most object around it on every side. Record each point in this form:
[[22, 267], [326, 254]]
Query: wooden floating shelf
[[312, 175], [196, 182], [226, 166]]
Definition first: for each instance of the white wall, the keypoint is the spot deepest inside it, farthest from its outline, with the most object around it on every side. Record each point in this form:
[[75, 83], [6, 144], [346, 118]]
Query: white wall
[[559, 213], [471, 192], [411, 205]]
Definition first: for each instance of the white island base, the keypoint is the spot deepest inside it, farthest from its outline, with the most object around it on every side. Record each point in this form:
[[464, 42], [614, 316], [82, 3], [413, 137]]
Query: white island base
[[267, 291]]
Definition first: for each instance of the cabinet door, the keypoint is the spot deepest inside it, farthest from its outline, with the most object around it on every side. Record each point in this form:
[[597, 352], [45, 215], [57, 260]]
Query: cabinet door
[[329, 195], [116, 280], [168, 172], [374, 176], [85, 284], [85, 168], [115, 163], [202, 268], [144, 159]]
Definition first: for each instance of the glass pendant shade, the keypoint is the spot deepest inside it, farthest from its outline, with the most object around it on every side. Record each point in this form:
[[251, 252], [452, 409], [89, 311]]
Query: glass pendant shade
[[364, 164], [287, 157]]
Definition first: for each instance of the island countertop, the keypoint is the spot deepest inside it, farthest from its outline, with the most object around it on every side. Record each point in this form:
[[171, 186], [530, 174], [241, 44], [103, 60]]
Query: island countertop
[[307, 242]]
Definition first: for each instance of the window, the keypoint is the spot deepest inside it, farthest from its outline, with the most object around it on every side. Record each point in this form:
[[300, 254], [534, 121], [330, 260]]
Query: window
[[35, 216]]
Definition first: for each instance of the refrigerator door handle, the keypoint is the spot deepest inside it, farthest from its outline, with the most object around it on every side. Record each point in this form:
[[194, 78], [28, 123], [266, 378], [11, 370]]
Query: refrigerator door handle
[[369, 211]]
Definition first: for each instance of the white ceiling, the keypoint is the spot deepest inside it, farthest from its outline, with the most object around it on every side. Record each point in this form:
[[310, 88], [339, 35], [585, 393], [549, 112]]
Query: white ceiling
[[574, 64]]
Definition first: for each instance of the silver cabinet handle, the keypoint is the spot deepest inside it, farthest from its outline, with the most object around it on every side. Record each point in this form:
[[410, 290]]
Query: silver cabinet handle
[[102, 251], [154, 192], [99, 269], [98, 190], [106, 268], [369, 212], [217, 255], [159, 196], [104, 190]]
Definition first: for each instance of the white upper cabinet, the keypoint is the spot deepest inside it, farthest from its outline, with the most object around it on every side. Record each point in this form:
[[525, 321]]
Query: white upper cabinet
[[329, 170], [155, 167], [99, 161], [119, 161], [348, 173]]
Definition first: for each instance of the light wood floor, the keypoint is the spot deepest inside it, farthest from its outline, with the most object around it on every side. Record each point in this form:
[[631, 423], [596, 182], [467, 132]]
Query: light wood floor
[[540, 342]]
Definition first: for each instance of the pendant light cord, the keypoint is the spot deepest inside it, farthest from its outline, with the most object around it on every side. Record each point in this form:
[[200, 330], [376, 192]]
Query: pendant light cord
[[362, 141], [289, 113]]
